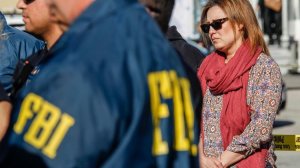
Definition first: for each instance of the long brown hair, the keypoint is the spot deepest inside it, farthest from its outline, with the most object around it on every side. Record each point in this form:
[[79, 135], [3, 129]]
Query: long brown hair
[[238, 12]]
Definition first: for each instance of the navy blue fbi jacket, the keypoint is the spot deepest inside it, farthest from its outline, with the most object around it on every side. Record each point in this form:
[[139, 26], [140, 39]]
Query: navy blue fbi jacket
[[111, 94], [15, 45]]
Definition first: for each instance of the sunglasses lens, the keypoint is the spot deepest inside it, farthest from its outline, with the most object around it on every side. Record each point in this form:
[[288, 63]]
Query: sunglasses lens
[[217, 25], [28, 1], [205, 28]]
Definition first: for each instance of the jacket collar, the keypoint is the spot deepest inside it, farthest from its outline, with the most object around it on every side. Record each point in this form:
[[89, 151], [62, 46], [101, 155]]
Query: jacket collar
[[2, 18]]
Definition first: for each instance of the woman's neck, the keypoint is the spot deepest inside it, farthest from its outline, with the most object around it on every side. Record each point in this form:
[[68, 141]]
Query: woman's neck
[[232, 50]]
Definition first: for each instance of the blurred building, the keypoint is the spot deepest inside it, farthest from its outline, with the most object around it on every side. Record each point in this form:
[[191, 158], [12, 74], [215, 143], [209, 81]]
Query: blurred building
[[183, 17], [11, 13], [186, 16], [9, 7], [291, 33]]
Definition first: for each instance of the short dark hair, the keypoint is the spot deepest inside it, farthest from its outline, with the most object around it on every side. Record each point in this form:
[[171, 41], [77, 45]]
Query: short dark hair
[[165, 7]]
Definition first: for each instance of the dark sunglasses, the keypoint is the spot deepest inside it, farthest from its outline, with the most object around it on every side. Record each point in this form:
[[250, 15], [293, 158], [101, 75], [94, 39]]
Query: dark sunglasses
[[216, 24], [27, 2]]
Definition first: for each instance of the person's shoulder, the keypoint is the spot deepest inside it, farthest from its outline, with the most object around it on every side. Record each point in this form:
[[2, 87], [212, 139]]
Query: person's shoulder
[[187, 47], [17, 35], [266, 60], [22, 43]]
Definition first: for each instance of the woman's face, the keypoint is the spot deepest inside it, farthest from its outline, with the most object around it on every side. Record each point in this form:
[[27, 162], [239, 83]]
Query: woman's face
[[222, 37]]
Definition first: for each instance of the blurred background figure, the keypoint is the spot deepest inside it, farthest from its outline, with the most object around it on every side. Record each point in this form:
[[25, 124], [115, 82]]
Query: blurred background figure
[[272, 19], [293, 23], [183, 17]]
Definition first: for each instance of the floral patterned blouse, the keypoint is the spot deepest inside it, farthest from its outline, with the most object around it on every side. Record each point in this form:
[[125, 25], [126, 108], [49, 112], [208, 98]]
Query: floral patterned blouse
[[263, 95]]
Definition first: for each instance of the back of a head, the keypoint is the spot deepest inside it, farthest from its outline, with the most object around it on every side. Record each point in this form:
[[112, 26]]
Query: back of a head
[[239, 12], [161, 11]]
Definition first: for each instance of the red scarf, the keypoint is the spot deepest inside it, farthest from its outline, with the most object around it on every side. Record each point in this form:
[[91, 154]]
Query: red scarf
[[231, 81]]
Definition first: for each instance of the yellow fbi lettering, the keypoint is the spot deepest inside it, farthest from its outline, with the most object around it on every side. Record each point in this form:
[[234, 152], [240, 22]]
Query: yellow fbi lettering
[[49, 125], [165, 85]]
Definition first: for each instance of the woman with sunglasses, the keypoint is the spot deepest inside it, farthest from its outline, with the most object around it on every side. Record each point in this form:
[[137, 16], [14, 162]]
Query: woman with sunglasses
[[241, 86]]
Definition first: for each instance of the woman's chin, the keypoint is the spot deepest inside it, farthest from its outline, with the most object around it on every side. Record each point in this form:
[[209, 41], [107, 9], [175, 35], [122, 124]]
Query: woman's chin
[[219, 48]]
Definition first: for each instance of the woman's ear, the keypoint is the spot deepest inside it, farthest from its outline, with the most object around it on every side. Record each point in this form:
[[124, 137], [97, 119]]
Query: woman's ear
[[240, 27]]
